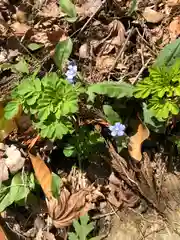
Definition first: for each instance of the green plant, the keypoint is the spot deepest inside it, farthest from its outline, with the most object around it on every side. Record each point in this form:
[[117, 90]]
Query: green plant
[[161, 91], [111, 89], [83, 143], [82, 229], [69, 9], [16, 190], [51, 101]]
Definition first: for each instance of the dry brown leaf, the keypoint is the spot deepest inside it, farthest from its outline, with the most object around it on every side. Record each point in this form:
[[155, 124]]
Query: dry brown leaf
[[88, 8], [135, 141], [174, 28], [50, 9], [152, 16], [173, 2], [68, 207], [116, 38], [42, 174], [20, 29]]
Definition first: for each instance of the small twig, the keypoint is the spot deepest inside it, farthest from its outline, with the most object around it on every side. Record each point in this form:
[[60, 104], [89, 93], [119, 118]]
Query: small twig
[[141, 71], [147, 44], [121, 50], [104, 215], [88, 21]]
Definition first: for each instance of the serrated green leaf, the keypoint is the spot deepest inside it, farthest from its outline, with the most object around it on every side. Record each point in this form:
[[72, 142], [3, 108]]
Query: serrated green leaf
[[72, 236], [56, 185], [22, 66], [69, 8], [11, 109], [30, 101], [111, 89], [169, 54], [62, 52], [44, 112], [37, 84], [177, 91], [35, 46], [110, 114]]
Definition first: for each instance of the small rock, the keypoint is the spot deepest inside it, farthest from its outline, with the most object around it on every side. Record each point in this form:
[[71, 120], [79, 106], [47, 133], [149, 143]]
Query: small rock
[[152, 16], [2, 146], [83, 51]]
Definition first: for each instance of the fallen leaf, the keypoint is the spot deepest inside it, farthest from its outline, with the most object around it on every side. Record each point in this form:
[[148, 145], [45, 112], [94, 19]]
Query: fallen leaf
[[43, 175], [135, 141], [152, 16], [20, 29], [88, 8], [173, 2], [50, 9], [174, 28], [116, 38], [68, 207]]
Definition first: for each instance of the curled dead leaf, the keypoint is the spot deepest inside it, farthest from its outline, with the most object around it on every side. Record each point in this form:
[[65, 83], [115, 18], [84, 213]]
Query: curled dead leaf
[[68, 207], [174, 28], [152, 16], [135, 141], [88, 8], [43, 174], [116, 38]]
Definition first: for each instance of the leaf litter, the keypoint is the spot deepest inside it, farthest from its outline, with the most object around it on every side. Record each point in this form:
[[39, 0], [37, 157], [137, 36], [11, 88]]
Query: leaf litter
[[109, 41]]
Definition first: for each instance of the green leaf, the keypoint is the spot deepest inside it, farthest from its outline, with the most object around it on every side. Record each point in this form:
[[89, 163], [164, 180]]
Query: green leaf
[[69, 151], [133, 7], [69, 8], [62, 52], [111, 115], [72, 236], [22, 66], [169, 54], [11, 109], [19, 188], [111, 89], [35, 46], [5, 202], [56, 185]]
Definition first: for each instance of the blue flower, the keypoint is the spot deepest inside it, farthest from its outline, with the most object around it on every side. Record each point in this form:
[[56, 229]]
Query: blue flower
[[117, 130], [71, 72]]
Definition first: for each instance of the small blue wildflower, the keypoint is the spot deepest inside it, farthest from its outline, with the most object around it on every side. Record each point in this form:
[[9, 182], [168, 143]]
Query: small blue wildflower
[[117, 130], [71, 72]]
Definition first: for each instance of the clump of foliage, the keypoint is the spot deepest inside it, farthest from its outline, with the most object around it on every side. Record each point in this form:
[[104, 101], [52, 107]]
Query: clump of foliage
[[161, 91], [51, 101], [82, 229], [16, 190]]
